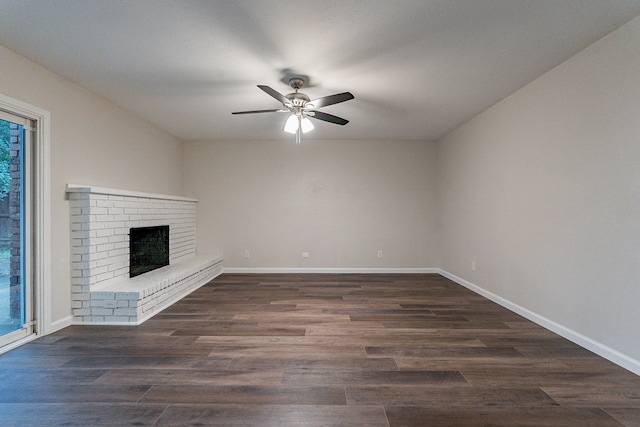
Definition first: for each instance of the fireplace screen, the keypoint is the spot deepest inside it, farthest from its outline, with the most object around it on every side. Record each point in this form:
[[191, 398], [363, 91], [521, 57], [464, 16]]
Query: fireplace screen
[[148, 249]]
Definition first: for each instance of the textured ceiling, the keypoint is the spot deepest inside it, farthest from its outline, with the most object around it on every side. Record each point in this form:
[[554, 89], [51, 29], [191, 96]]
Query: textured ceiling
[[418, 69]]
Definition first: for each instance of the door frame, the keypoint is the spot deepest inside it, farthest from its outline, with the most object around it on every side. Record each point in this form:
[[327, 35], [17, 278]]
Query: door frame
[[41, 212]]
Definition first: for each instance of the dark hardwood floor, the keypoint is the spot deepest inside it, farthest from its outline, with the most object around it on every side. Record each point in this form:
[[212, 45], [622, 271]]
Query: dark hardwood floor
[[317, 350]]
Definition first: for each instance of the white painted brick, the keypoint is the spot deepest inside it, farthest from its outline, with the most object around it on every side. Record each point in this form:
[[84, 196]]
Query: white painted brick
[[78, 236], [80, 265], [100, 241], [125, 312], [123, 212], [98, 225], [99, 302], [81, 281], [118, 238], [110, 304], [128, 295], [101, 312], [116, 211], [76, 226], [76, 274], [117, 253], [121, 319], [100, 255], [122, 272], [99, 270], [104, 203], [119, 226], [99, 211], [104, 247], [104, 276], [78, 290], [103, 295], [107, 232]]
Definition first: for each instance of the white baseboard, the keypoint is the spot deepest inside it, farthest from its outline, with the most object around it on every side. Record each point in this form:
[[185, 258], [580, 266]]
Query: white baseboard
[[60, 324], [332, 270], [18, 343], [600, 349]]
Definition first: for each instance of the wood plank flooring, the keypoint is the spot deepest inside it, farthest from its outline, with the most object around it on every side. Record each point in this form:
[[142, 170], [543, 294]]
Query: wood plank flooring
[[317, 350]]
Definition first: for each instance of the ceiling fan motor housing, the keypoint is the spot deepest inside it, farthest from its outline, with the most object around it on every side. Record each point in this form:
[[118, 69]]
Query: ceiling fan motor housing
[[297, 99]]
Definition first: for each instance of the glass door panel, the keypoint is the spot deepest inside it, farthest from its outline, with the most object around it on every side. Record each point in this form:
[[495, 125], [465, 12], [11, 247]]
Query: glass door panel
[[16, 295]]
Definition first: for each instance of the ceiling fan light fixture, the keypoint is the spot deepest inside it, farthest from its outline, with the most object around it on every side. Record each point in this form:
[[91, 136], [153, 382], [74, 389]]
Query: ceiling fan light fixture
[[291, 125], [306, 125], [294, 122]]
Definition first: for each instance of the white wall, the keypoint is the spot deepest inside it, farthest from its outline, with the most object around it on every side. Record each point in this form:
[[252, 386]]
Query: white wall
[[341, 201], [92, 142], [542, 191]]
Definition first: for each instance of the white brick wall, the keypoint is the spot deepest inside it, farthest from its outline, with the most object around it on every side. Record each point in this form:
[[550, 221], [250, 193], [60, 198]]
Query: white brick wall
[[100, 223]]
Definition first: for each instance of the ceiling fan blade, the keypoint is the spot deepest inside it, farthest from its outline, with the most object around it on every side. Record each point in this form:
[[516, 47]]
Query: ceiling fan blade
[[328, 117], [274, 93], [331, 99], [256, 111]]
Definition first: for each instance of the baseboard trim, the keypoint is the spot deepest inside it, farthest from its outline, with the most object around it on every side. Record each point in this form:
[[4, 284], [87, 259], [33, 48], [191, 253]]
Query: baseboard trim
[[598, 348], [18, 343], [60, 324], [331, 270]]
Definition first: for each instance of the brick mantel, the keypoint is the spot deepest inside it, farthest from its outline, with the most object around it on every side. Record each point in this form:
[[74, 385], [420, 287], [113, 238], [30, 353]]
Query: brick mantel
[[75, 188]]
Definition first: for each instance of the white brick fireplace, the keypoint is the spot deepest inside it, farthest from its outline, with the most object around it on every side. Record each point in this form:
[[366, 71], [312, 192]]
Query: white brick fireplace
[[102, 292]]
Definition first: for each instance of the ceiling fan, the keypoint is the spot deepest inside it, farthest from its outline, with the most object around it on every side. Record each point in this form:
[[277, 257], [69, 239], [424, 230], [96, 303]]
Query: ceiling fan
[[301, 108]]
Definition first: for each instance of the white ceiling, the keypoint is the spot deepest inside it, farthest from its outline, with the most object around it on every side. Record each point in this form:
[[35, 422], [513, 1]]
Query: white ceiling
[[417, 68]]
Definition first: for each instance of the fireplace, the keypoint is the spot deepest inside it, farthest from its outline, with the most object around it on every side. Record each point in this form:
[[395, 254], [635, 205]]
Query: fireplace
[[148, 249]]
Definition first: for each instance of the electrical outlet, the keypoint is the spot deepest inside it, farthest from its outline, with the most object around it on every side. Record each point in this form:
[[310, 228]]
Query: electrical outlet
[[473, 266], [247, 254], [379, 254], [305, 254]]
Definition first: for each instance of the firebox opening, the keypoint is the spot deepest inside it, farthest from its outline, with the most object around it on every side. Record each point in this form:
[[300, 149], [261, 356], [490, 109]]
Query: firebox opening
[[148, 249]]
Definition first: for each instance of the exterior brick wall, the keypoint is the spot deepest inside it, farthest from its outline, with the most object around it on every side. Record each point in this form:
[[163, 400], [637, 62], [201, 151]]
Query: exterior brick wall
[[15, 246]]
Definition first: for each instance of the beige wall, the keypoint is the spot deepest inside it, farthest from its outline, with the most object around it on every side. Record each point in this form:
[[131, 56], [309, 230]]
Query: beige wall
[[92, 142], [542, 191], [341, 201]]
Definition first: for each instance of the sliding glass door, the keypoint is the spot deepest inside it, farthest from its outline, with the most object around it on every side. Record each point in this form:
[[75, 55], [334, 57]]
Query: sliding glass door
[[17, 314]]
